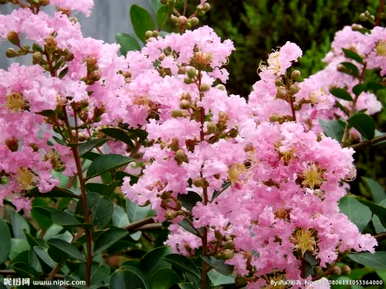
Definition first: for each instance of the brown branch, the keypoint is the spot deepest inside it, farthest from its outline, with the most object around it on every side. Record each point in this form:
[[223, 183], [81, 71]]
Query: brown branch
[[138, 224], [369, 142], [380, 236], [380, 10]]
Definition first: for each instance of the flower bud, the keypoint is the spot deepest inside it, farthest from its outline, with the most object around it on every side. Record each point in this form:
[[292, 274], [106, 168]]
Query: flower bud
[[336, 270], [12, 144], [182, 20], [181, 157], [37, 58], [211, 127], [206, 7], [11, 53], [177, 113], [227, 254], [281, 92], [193, 21], [296, 75], [200, 182], [346, 270], [192, 72], [170, 214], [294, 88], [185, 104], [13, 37], [204, 87], [148, 34], [221, 87], [174, 18]]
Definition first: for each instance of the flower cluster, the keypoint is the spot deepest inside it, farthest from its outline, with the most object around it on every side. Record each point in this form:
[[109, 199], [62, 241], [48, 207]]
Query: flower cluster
[[240, 180], [75, 85]]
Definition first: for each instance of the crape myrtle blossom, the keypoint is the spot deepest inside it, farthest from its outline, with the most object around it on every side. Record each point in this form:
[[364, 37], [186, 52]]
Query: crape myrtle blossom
[[71, 76], [283, 180]]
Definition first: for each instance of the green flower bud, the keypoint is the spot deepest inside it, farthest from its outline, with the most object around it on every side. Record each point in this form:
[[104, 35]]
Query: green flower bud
[[13, 37]]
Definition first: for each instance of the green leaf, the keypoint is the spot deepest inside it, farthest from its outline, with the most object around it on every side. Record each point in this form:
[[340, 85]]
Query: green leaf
[[341, 93], [109, 238], [153, 260], [5, 241], [101, 209], [352, 55], [377, 209], [118, 134], [19, 224], [43, 255], [364, 124], [183, 263], [120, 218], [128, 279], [186, 285], [105, 163], [89, 145], [333, 128], [376, 260], [218, 279], [66, 248], [42, 217], [349, 68], [378, 227], [223, 189], [376, 189], [136, 212], [63, 218], [188, 227], [163, 15], [141, 20], [358, 213], [17, 247], [218, 265], [163, 279], [189, 200], [359, 88], [127, 43]]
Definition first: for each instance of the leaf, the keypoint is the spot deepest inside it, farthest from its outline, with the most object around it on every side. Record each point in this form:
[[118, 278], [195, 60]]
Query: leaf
[[109, 238], [376, 189], [333, 128], [218, 265], [188, 227], [118, 134], [136, 212], [43, 255], [378, 227], [42, 217], [218, 279], [128, 279], [127, 43], [378, 210], [189, 200], [18, 246], [153, 260], [375, 260], [359, 88], [352, 55], [163, 279], [349, 68], [223, 188], [102, 210], [183, 263], [5, 241], [358, 213], [19, 224], [186, 285], [341, 93], [89, 145], [66, 248], [141, 20], [162, 16], [120, 218], [364, 124], [63, 218], [105, 163]]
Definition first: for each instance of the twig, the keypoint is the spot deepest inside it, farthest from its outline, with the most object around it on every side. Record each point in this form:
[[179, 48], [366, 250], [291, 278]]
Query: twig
[[369, 142], [378, 16], [138, 224]]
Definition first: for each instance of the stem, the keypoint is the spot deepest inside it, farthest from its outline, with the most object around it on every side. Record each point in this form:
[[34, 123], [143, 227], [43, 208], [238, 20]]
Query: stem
[[83, 197], [292, 107], [205, 267], [369, 142], [381, 8]]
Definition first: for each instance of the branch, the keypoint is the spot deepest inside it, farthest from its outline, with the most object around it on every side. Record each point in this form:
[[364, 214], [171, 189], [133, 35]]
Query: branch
[[378, 16], [368, 142], [138, 224], [380, 236]]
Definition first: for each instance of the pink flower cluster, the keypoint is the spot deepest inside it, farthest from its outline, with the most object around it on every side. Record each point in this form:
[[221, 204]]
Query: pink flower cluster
[[268, 186], [69, 72]]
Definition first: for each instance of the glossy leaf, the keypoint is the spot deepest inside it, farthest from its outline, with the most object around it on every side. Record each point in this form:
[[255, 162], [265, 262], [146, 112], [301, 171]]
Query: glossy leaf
[[89, 145], [375, 260], [218, 279], [120, 218], [128, 279], [127, 43], [136, 212], [376, 190], [106, 163], [5, 241], [333, 128], [43, 255], [352, 55], [69, 249], [219, 265], [163, 279], [141, 20], [154, 260], [183, 263], [358, 213], [364, 124], [189, 200], [109, 238], [19, 224], [341, 93]]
